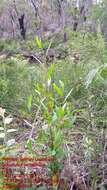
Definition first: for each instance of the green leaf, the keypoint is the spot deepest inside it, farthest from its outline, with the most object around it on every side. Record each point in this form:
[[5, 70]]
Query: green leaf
[[50, 71], [53, 152], [60, 112], [29, 104], [57, 89], [54, 117], [37, 92], [62, 84], [103, 73], [29, 144], [58, 139], [67, 96], [39, 42]]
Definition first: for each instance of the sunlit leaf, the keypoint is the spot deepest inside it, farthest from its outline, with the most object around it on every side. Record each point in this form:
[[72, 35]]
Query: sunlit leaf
[[58, 139], [29, 104], [37, 92], [60, 112], [2, 112], [8, 120], [39, 42], [53, 153], [29, 144], [50, 71], [11, 130], [49, 82], [11, 142], [2, 135], [1, 129], [57, 89], [62, 84], [67, 96]]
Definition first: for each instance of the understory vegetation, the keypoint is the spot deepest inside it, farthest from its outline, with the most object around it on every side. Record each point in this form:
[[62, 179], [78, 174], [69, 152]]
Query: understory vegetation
[[53, 104]]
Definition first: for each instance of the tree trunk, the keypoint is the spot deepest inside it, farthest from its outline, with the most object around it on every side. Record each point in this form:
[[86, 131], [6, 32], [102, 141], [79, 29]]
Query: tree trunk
[[22, 27]]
